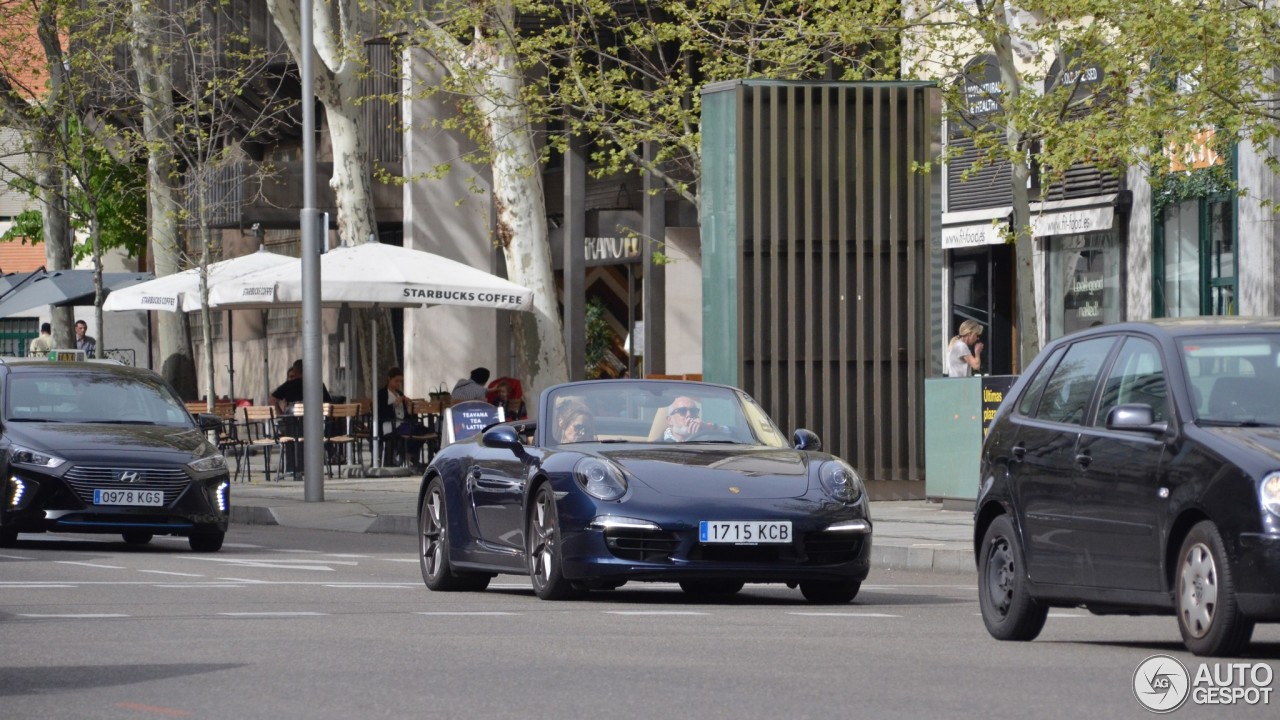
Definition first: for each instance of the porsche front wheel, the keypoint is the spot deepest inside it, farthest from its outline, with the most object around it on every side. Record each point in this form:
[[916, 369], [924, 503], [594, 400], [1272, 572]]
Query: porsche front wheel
[[543, 540], [433, 546]]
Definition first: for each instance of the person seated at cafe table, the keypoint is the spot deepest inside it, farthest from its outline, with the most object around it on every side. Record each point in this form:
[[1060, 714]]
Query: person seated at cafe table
[[283, 398], [472, 387], [398, 423], [290, 391]]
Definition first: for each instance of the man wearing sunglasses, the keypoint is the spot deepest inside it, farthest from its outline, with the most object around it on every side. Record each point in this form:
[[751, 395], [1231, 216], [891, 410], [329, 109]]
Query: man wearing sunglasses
[[684, 420]]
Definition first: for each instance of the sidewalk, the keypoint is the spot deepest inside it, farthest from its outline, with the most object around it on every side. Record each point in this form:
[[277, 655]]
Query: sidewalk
[[908, 534]]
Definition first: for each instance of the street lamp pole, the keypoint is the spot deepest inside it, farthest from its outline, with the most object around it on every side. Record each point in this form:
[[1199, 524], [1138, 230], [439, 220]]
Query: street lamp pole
[[312, 362]]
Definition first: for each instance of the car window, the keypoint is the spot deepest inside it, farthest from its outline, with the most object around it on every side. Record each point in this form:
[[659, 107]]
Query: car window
[[636, 411], [1070, 387], [1137, 376], [92, 398], [1031, 396], [1234, 378]]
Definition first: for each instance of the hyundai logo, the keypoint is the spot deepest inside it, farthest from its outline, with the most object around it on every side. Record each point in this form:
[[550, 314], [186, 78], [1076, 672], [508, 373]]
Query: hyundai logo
[[129, 476]]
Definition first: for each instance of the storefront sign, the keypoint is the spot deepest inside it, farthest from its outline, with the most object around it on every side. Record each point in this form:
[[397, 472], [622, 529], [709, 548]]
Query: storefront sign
[[1195, 155], [988, 233], [994, 388], [611, 250], [1073, 222]]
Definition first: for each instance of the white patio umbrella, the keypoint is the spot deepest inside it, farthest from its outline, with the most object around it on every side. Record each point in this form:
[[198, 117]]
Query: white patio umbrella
[[180, 292], [376, 275]]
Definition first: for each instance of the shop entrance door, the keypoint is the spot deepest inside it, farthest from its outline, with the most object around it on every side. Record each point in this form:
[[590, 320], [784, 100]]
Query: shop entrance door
[[982, 289]]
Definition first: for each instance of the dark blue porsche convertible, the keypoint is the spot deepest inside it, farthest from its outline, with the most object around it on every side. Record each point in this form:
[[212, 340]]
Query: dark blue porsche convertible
[[644, 480]]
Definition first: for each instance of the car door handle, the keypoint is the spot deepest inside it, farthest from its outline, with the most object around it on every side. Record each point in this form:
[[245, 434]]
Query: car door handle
[[1083, 459], [1018, 451]]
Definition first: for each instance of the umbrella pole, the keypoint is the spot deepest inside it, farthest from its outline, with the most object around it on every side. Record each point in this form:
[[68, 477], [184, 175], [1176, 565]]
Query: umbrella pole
[[376, 431], [231, 360]]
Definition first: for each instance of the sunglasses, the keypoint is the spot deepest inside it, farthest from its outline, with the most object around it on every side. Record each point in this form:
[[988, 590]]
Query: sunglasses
[[580, 428], [690, 411]]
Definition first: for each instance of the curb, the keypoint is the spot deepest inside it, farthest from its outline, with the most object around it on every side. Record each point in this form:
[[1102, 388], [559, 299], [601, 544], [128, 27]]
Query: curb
[[899, 557]]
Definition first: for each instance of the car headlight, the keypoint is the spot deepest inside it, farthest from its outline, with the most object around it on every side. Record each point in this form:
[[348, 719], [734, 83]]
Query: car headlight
[[841, 481], [600, 478], [26, 456], [208, 464], [1270, 491]]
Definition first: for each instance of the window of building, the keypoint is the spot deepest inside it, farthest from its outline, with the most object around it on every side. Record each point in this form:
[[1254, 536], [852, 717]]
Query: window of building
[[1084, 281], [1195, 270]]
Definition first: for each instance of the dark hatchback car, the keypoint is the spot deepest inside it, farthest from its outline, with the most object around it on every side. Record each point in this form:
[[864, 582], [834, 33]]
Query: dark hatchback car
[[1135, 468], [97, 447]]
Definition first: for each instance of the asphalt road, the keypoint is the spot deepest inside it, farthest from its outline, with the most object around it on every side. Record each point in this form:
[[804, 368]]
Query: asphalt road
[[290, 623]]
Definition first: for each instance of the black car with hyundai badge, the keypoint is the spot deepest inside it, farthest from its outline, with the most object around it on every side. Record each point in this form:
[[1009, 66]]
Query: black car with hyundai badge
[[644, 480], [1135, 469], [98, 447]]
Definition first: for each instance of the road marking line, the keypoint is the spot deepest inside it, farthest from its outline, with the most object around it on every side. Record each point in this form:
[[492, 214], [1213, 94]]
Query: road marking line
[[166, 572], [268, 564], [154, 709], [370, 586], [345, 555], [274, 614], [405, 560], [476, 613], [843, 614], [89, 564], [201, 586], [1066, 615], [305, 552], [73, 616], [15, 557], [654, 612], [35, 586]]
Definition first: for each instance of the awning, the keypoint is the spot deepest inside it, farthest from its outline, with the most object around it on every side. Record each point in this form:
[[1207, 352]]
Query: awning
[[973, 228], [1073, 217]]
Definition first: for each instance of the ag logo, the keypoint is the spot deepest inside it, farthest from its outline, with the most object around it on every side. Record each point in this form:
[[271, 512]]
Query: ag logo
[[1161, 684]]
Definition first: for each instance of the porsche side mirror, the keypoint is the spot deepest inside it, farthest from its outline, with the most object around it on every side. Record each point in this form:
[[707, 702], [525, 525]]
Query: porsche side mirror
[[1138, 416], [806, 440], [503, 436]]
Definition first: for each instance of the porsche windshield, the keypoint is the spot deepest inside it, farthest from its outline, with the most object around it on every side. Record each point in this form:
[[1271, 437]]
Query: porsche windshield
[[656, 411]]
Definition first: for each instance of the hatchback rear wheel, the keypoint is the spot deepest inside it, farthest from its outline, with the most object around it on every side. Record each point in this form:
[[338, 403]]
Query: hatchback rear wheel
[[1008, 610], [1208, 616]]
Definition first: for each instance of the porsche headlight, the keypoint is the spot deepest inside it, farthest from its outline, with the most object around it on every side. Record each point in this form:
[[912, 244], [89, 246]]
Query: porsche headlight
[[841, 481], [600, 478], [1270, 491], [208, 464], [20, 455]]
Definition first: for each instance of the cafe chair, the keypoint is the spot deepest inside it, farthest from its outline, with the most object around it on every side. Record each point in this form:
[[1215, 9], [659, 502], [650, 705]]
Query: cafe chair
[[260, 434]]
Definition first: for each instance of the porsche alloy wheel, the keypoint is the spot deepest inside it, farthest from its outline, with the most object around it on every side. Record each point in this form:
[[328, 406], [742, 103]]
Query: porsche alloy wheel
[[1210, 621], [1008, 610], [543, 540], [433, 546]]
